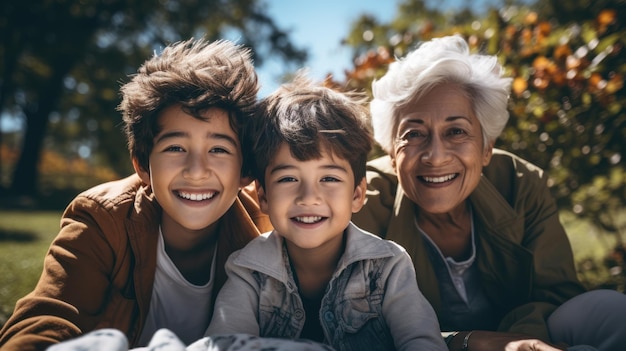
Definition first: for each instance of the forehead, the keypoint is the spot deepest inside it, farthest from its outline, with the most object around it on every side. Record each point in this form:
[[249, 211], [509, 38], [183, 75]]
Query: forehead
[[444, 103], [284, 155], [175, 117], [284, 151]]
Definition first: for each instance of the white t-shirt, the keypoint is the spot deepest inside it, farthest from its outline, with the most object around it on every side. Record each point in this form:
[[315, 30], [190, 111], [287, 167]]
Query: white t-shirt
[[176, 304]]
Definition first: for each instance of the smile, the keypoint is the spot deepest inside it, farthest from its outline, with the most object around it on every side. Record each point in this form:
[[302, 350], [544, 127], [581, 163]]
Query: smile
[[308, 219], [441, 179], [195, 196]]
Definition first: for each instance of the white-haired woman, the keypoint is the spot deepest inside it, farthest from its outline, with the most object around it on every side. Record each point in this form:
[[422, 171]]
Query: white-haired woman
[[480, 224]]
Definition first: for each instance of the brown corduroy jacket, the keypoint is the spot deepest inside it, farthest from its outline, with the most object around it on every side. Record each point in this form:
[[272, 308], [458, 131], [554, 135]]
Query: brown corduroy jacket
[[99, 270]]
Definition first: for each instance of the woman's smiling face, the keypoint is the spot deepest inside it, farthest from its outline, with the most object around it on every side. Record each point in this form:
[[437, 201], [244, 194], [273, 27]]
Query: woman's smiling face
[[438, 151]]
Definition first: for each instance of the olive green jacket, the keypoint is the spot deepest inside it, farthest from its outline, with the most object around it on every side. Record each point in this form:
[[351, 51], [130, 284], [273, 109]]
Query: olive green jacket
[[523, 253]]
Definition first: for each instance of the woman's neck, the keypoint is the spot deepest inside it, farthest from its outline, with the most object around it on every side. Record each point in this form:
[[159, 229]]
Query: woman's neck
[[450, 231]]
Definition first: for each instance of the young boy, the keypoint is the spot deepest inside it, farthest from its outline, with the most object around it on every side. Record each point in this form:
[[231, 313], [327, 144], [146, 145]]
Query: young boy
[[147, 252], [317, 276]]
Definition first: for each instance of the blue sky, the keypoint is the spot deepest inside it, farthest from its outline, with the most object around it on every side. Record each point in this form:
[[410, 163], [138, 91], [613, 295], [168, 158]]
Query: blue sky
[[319, 26]]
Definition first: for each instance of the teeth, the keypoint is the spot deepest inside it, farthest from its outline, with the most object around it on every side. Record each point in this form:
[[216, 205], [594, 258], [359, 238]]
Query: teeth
[[309, 219], [439, 179], [195, 197]]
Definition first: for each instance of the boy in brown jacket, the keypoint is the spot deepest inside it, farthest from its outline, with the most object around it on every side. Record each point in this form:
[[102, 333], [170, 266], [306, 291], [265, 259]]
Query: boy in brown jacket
[[148, 251]]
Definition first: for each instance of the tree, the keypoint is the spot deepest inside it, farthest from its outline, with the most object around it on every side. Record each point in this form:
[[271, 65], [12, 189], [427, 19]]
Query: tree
[[62, 62]]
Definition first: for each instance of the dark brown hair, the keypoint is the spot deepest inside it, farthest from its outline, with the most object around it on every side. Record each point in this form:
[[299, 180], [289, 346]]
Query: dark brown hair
[[197, 75], [312, 118]]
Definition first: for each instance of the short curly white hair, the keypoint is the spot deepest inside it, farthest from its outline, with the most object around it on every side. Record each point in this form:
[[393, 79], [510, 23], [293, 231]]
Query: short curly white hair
[[445, 60]]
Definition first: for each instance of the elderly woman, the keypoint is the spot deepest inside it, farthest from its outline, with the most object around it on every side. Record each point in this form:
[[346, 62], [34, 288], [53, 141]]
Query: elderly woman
[[484, 234]]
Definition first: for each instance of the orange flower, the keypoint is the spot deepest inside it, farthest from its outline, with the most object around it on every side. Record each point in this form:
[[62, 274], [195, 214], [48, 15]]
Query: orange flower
[[606, 17], [562, 51], [541, 63], [531, 18], [519, 85]]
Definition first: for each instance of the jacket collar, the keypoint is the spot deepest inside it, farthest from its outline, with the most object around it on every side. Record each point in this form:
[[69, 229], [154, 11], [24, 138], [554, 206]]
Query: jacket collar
[[494, 212], [267, 254], [493, 216]]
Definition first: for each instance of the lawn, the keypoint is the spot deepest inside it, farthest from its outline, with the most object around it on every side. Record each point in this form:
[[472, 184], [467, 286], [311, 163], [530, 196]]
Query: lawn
[[25, 237], [24, 240]]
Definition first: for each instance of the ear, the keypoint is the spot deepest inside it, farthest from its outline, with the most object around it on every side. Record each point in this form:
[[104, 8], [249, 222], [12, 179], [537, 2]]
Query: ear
[[358, 199], [392, 155], [262, 197], [143, 174], [487, 153]]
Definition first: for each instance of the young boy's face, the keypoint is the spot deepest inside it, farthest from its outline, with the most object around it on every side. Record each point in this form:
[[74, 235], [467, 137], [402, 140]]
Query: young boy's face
[[195, 169], [310, 203]]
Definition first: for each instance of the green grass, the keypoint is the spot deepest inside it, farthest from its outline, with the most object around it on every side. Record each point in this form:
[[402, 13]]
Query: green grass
[[25, 237], [24, 240]]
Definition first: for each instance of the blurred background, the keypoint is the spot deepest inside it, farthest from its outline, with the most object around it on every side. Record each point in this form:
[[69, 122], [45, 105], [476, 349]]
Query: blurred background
[[62, 63]]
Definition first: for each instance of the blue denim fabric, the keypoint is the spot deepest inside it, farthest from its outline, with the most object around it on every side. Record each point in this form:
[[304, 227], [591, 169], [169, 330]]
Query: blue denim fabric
[[351, 312]]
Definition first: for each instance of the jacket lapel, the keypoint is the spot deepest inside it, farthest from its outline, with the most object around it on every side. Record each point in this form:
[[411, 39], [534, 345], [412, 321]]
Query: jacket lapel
[[403, 230], [506, 266]]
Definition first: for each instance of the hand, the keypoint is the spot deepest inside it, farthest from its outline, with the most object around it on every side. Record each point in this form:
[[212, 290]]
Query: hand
[[529, 345], [481, 340]]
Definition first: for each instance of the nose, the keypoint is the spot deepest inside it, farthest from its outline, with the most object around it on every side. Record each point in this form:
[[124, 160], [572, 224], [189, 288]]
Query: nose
[[308, 194], [436, 153], [196, 166]]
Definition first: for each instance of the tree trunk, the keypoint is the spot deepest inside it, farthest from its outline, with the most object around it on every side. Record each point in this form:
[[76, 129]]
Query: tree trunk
[[25, 174]]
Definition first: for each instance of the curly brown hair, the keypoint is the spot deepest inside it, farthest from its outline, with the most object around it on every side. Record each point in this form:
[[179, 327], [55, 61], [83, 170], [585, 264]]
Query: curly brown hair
[[197, 75]]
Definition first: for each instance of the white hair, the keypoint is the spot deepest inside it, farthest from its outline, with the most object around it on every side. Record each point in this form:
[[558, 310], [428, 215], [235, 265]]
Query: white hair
[[445, 60]]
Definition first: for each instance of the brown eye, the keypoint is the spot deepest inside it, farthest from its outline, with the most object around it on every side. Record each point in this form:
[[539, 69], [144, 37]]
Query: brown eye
[[412, 137], [457, 131]]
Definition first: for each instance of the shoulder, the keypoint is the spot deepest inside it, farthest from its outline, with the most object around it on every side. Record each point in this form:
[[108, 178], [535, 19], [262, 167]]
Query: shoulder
[[504, 160], [381, 167], [114, 193], [250, 201], [111, 204], [370, 245], [262, 252], [511, 174], [261, 257], [266, 242], [382, 184], [373, 255]]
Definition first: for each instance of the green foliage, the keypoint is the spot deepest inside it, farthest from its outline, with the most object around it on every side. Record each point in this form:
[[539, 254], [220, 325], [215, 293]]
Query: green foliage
[[566, 108]]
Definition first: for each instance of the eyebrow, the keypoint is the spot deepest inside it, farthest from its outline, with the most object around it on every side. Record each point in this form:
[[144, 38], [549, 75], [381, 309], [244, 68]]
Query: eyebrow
[[448, 119], [180, 134], [282, 167]]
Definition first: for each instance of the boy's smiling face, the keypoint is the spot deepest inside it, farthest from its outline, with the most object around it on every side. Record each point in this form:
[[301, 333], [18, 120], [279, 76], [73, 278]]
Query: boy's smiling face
[[195, 169], [310, 203]]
